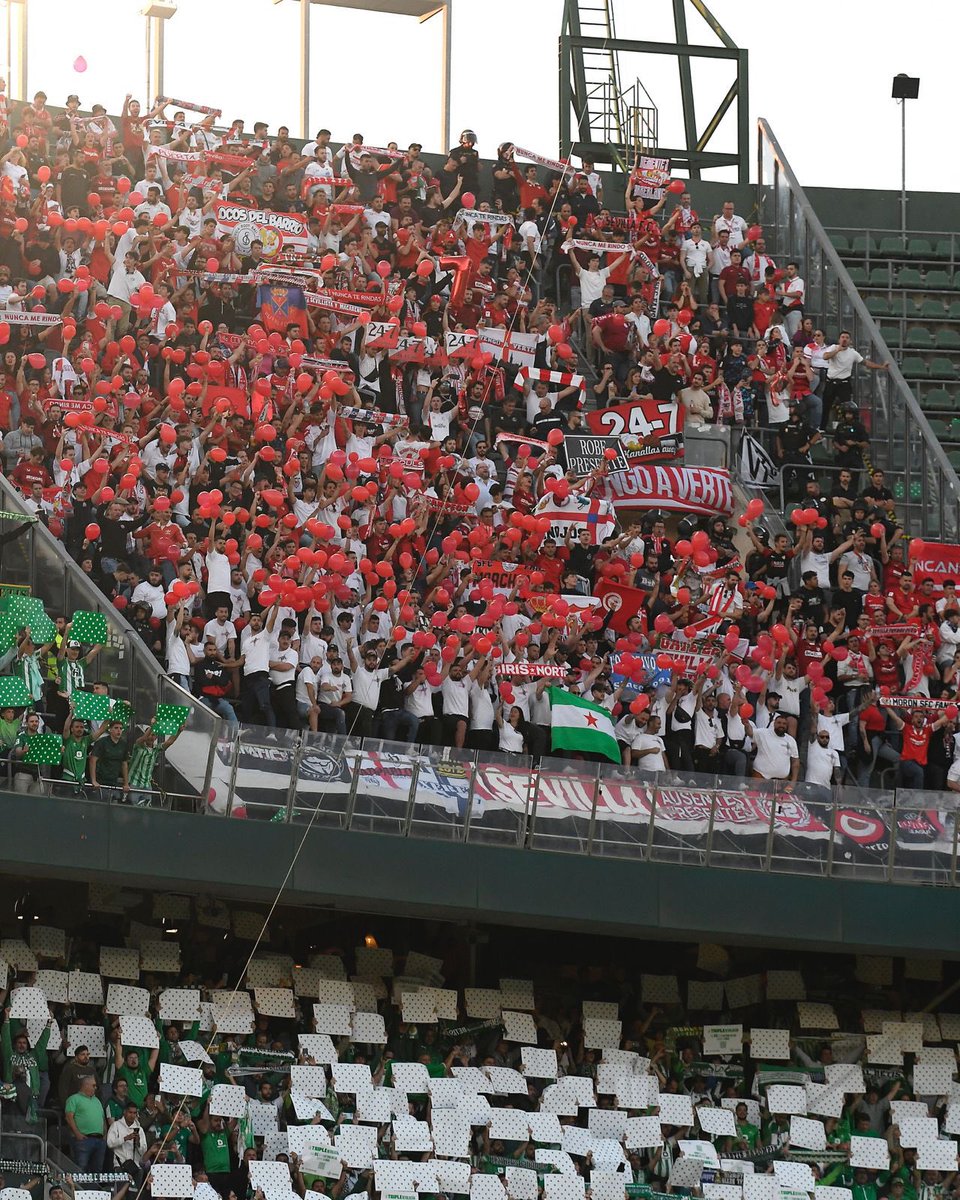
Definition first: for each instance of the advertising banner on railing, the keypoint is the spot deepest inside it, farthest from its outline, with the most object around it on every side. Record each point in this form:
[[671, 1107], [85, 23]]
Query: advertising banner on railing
[[934, 560], [741, 815]]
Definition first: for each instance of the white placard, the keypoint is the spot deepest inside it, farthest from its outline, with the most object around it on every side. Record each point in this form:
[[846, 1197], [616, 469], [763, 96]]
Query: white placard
[[160, 958], [601, 1010], [521, 1184], [510, 1125], [306, 1140], [722, 1039], [336, 991], [675, 1109], [269, 1177], [642, 1133], [311, 1080], [932, 1079], [563, 1187], [451, 1134], [796, 1175], [685, 1173], [411, 1136], [119, 962], [600, 1033], [486, 1187], [180, 1004], [760, 1187], [373, 960], [545, 1128], [274, 1144], [171, 1180], [18, 954], [193, 1052], [704, 996], [884, 1051], [848, 1077], [139, 1031], [908, 1034], [519, 1027], [905, 1110], [538, 1063], [275, 1002], [29, 1004], [349, 1077], [505, 1081], [870, 1153], [937, 1156], [357, 1145], [770, 1044], [332, 1018], [91, 1036], [607, 1123], [482, 1002], [719, 1122], [418, 1008], [455, 1176], [744, 992], [46, 941], [638, 1091], [126, 1001], [319, 1047], [915, 1131], [411, 1078], [556, 1158], [817, 1016], [53, 984], [228, 1100], [368, 1028], [824, 1100], [375, 1105], [181, 1081], [783, 1098], [263, 1118], [807, 1134]]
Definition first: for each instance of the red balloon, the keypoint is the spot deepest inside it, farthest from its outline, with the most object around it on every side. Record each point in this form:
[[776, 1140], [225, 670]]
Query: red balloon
[[423, 270], [469, 199], [92, 532], [684, 316], [677, 186], [877, 529], [661, 328]]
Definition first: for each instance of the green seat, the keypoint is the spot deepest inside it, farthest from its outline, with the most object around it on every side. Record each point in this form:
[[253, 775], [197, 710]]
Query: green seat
[[863, 245], [919, 339], [919, 248], [947, 339], [840, 242], [931, 308], [936, 400], [938, 280], [940, 429], [914, 368], [890, 332], [953, 458], [909, 277], [891, 247], [954, 433], [880, 277], [858, 276], [953, 312], [945, 248], [878, 306], [942, 368]]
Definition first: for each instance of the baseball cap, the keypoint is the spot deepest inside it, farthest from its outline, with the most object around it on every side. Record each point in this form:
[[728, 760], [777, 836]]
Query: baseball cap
[[73, 645]]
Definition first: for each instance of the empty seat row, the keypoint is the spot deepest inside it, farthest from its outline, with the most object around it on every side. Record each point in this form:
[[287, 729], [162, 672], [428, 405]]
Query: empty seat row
[[937, 368], [865, 246], [933, 308], [888, 276]]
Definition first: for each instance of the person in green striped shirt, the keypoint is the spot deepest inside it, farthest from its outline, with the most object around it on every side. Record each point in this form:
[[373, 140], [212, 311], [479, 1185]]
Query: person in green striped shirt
[[76, 751], [143, 760]]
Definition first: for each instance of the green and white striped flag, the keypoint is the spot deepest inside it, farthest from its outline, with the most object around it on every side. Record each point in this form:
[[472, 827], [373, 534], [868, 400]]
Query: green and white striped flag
[[578, 724]]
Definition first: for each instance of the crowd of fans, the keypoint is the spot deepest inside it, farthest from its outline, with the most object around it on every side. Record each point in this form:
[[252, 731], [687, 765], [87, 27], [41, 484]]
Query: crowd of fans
[[365, 1072], [295, 512]]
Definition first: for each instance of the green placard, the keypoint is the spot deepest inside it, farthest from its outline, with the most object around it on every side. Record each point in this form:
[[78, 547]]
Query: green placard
[[170, 719], [9, 628], [13, 692], [90, 707], [89, 627], [44, 749]]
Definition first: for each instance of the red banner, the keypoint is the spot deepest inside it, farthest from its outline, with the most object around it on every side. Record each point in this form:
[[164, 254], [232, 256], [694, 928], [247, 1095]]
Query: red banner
[[623, 601], [935, 560], [706, 491]]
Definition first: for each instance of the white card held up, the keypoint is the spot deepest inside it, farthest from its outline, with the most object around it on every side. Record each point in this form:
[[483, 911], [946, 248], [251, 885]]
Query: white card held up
[[411, 1136], [937, 1156], [807, 1134], [445, 1093], [311, 1080], [263, 1118], [556, 1158], [720, 1122], [451, 1134], [846, 1076], [91, 1036], [509, 1125], [884, 1051], [124, 1001], [350, 1077], [638, 1091], [745, 991], [411, 1078], [642, 1133], [319, 1047], [180, 1004], [486, 1187], [274, 1144], [423, 966], [139, 1031], [760, 1187], [521, 1183], [817, 1016], [160, 958], [306, 1140], [275, 1002], [722, 1191], [171, 1181], [563, 1187], [722, 1039], [357, 1145], [824, 1100], [119, 962], [193, 1052], [228, 1100], [951, 1122], [909, 1034], [29, 1004], [784, 1098], [397, 1175], [46, 941], [181, 1081], [18, 954], [505, 1081], [686, 1172], [454, 1176], [905, 1110], [418, 1008], [675, 1109], [373, 960], [368, 1028], [772, 1045], [823, 1192], [915, 1131], [600, 1033], [607, 1123], [932, 1079], [375, 1105], [269, 1176], [538, 1063], [949, 1026], [607, 1185], [83, 987], [519, 1027], [870, 1153], [332, 1018], [796, 1175], [545, 1128], [517, 993], [601, 1010], [53, 984]]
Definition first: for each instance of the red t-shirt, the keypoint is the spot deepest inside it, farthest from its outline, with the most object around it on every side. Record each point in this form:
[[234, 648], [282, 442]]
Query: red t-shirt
[[614, 330], [915, 744]]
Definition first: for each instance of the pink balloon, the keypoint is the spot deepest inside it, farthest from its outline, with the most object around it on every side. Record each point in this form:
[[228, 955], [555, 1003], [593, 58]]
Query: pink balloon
[[80, 64]]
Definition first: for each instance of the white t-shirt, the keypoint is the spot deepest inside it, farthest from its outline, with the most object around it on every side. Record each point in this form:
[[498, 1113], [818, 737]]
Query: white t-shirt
[[790, 691], [281, 678], [773, 753], [650, 762], [218, 572], [258, 649], [842, 364], [592, 285], [511, 740], [834, 726], [456, 697], [821, 763], [221, 634], [366, 685], [811, 561], [153, 596], [307, 675], [124, 283], [860, 566], [332, 688], [481, 707]]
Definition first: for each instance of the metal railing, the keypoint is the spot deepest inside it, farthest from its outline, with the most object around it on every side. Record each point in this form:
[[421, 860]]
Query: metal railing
[[125, 664], [901, 438], [577, 807]]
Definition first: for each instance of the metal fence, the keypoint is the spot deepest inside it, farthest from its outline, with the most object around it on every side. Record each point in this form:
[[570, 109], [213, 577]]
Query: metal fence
[[902, 441]]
